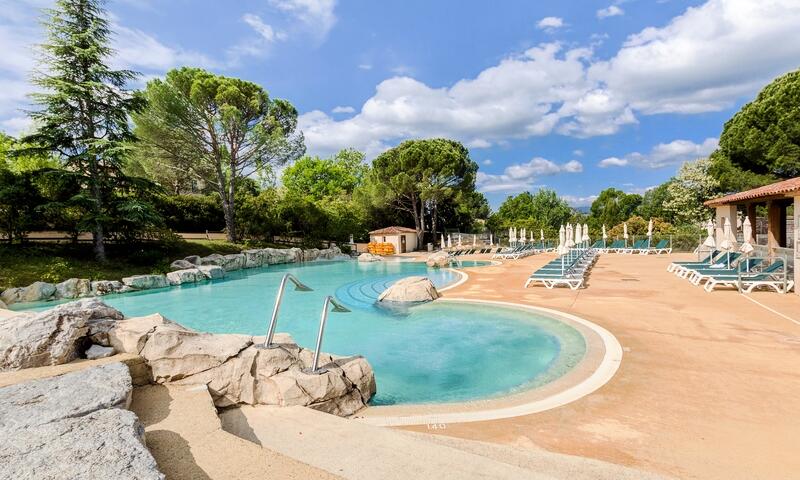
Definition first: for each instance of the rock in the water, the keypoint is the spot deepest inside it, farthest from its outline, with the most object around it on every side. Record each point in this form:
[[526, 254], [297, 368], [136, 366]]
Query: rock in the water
[[38, 402], [213, 259], [98, 351], [104, 287], [410, 289], [106, 444], [368, 257], [181, 265], [189, 275], [3, 305], [438, 260], [193, 259], [74, 288], [254, 258], [234, 261], [212, 271], [11, 295], [35, 292], [146, 282]]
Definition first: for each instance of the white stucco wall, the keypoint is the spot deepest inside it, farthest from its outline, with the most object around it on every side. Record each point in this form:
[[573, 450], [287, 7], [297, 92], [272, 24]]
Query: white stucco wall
[[411, 240]]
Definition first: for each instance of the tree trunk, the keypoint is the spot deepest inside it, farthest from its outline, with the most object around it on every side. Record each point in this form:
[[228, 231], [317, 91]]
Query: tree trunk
[[417, 220], [98, 235], [434, 219]]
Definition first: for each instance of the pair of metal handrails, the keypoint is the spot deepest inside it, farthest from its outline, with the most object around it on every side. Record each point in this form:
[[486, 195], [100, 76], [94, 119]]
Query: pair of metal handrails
[[301, 287]]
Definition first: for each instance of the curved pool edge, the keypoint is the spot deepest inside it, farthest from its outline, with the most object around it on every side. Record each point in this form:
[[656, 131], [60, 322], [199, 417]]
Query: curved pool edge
[[590, 374]]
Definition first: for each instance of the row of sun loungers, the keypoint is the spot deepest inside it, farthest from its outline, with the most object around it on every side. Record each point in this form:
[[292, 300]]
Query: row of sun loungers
[[732, 270], [524, 250], [641, 247], [569, 270], [474, 251]]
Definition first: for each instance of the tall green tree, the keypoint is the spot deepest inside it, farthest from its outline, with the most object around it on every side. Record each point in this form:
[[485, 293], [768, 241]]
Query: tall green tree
[[326, 177], [83, 111], [541, 210], [220, 130], [420, 172], [764, 136], [613, 206]]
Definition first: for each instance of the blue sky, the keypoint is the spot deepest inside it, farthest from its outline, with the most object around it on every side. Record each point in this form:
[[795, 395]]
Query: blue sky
[[573, 95]]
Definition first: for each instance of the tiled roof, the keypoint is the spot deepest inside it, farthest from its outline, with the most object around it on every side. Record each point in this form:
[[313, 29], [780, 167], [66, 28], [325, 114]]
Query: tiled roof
[[771, 190], [392, 231]]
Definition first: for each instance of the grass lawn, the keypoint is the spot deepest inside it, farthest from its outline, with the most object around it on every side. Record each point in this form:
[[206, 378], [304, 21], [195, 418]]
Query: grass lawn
[[21, 265]]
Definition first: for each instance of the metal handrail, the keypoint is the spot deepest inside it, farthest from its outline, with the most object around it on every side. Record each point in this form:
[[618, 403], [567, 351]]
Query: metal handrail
[[337, 308], [298, 286]]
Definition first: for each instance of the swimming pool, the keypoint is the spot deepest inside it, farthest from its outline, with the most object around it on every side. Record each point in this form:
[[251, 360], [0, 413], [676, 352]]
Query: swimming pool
[[432, 353]]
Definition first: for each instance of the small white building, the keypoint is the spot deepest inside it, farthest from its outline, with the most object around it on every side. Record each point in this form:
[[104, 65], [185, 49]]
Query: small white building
[[404, 239]]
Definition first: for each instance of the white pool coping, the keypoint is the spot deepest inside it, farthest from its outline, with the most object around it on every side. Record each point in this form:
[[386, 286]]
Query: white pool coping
[[605, 370]]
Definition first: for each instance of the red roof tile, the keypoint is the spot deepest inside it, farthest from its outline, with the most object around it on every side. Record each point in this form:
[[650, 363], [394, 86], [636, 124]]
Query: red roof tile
[[771, 190]]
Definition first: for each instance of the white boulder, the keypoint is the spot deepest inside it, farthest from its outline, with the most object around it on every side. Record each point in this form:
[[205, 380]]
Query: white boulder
[[368, 257], [74, 288], [410, 289], [181, 265], [233, 261], [98, 351], [188, 275], [104, 287], [212, 271], [438, 260], [146, 282]]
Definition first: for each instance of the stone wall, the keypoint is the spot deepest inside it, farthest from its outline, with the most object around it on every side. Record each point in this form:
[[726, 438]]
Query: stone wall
[[191, 269], [237, 369]]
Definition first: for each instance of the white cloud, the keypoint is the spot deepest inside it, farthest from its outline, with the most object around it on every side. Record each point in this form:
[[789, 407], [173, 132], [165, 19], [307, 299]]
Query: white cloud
[[550, 23], [664, 154], [576, 201], [317, 15], [487, 162], [577, 152], [523, 176], [703, 60], [341, 109], [140, 50], [573, 166], [365, 66], [266, 31], [610, 11]]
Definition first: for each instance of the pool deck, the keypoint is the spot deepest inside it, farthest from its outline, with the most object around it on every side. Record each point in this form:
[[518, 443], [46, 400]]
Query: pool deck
[[709, 385]]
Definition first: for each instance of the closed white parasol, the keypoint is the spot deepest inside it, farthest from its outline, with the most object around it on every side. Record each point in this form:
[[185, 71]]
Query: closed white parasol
[[710, 243]]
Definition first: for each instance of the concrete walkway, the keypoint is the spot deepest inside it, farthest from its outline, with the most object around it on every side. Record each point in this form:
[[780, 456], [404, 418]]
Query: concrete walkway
[[184, 435], [362, 452], [709, 385]]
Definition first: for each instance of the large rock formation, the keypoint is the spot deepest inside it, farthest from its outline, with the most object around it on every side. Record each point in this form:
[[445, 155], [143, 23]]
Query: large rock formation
[[212, 272], [73, 394], [181, 265], [410, 289], [237, 369], [73, 426], [104, 444], [439, 259], [52, 337], [104, 287]]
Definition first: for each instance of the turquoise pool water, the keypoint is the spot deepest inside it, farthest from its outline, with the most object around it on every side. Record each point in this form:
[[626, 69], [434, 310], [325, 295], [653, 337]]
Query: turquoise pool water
[[436, 352]]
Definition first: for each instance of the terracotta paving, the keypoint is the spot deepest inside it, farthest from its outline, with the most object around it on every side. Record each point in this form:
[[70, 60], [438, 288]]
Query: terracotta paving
[[709, 385]]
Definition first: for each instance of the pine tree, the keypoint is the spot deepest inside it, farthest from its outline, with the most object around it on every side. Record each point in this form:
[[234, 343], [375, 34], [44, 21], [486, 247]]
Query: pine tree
[[84, 109]]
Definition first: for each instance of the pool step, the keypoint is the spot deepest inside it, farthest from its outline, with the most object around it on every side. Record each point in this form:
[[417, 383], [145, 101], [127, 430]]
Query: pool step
[[354, 450], [185, 436]]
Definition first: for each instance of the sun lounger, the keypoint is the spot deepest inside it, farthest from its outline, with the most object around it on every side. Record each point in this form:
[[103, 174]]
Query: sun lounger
[[705, 261], [696, 277], [723, 261], [773, 276], [661, 247]]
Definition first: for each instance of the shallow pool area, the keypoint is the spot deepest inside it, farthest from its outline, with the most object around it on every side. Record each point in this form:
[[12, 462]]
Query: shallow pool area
[[431, 353]]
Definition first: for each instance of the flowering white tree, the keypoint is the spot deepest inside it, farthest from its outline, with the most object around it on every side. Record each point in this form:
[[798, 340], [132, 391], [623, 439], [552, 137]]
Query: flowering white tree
[[688, 190]]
